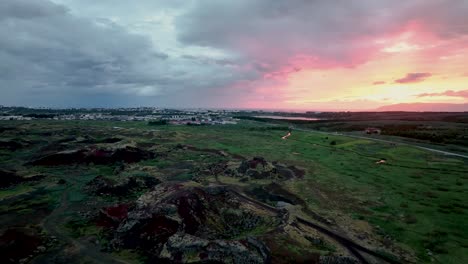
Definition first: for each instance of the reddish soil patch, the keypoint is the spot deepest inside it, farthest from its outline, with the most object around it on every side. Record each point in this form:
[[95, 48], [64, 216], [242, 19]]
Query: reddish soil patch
[[112, 216], [95, 156]]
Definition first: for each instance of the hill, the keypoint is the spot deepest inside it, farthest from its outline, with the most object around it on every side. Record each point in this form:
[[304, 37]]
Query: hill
[[425, 107]]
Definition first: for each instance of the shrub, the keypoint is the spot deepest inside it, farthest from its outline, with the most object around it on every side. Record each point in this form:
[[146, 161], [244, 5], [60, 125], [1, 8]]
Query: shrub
[[157, 123]]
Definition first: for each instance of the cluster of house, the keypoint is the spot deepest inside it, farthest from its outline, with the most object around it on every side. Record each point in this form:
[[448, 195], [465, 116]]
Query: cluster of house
[[170, 117], [15, 117], [99, 116], [199, 120]]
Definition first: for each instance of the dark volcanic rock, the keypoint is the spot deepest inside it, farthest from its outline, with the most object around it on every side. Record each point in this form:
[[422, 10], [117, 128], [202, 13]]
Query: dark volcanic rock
[[113, 215], [253, 163], [111, 140], [130, 155], [267, 170], [243, 167], [18, 243], [172, 222], [10, 145], [96, 156], [180, 248], [61, 181], [101, 185], [10, 178], [61, 158]]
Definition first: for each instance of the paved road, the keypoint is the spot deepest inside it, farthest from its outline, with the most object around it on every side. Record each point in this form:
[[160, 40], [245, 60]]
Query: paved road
[[388, 141]]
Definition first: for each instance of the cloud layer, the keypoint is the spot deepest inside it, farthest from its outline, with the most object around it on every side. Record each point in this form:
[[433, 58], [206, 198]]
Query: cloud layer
[[414, 77], [214, 53], [449, 93]]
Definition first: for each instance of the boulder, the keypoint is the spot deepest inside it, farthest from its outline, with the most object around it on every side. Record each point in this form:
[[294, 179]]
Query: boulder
[[172, 221], [185, 248]]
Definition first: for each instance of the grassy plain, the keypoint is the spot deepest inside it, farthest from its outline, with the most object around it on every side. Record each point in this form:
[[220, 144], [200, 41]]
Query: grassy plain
[[416, 199]]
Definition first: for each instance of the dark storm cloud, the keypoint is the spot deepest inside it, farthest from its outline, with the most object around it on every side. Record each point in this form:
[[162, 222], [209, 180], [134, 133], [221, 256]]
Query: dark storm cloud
[[27, 9], [45, 48], [85, 49], [414, 77], [49, 53], [450, 93], [331, 33]]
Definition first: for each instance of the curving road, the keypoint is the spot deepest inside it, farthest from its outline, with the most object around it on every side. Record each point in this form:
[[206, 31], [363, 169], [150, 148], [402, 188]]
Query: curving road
[[386, 141]]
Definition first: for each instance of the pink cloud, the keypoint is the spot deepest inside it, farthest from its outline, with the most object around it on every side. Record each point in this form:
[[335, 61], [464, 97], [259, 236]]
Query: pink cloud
[[414, 77], [451, 93]]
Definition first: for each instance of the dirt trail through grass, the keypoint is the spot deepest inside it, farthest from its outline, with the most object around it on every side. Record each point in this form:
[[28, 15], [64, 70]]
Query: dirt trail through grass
[[51, 225], [353, 247]]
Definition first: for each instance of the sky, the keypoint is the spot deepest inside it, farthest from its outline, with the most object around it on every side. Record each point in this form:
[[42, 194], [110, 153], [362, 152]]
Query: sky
[[271, 54]]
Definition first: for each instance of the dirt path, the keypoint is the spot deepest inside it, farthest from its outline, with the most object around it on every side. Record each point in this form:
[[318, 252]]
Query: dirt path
[[354, 248], [346, 242], [82, 248]]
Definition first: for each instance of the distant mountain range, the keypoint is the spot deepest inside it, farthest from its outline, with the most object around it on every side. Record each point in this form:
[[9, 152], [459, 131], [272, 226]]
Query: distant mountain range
[[425, 107]]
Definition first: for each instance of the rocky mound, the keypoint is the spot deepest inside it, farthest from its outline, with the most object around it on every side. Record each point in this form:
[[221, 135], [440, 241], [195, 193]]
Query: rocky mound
[[96, 156], [18, 245], [13, 145], [10, 178], [101, 185], [275, 194], [180, 224], [260, 168], [113, 215], [90, 140], [184, 248]]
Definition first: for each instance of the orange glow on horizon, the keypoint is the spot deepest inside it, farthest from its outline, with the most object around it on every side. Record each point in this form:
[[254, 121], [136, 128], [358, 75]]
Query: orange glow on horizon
[[373, 83]]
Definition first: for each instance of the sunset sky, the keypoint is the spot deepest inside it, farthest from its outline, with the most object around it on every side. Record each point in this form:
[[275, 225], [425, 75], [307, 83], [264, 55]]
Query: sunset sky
[[285, 54]]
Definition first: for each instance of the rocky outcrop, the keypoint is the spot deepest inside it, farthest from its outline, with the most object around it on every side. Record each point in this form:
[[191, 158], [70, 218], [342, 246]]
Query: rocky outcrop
[[101, 185], [181, 224], [125, 154], [113, 215], [10, 178], [185, 248], [259, 168], [18, 245]]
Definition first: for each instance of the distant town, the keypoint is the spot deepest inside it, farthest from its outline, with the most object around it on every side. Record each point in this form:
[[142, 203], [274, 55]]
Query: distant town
[[149, 114]]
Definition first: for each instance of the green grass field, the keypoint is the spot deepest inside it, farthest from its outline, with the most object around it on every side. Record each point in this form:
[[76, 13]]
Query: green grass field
[[417, 199]]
